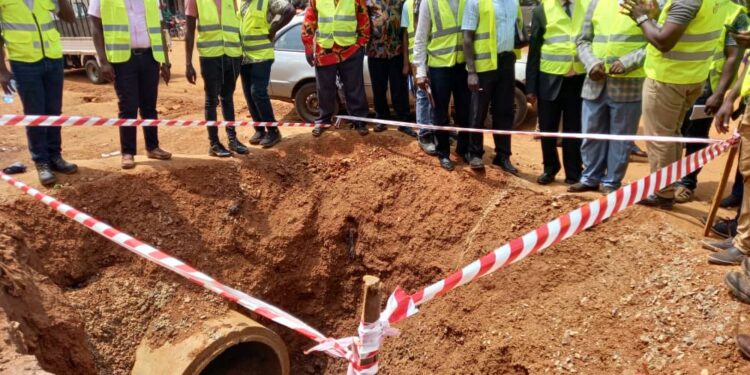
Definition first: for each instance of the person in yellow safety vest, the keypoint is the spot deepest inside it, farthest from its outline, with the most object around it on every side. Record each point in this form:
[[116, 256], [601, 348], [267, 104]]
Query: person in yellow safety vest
[[438, 35], [28, 31], [490, 28], [259, 22], [612, 49], [726, 62], [423, 109], [220, 56], [554, 77], [678, 58], [130, 45]]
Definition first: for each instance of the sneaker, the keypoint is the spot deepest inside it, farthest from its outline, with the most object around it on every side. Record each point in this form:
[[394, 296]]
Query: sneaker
[[683, 194], [654, 200]]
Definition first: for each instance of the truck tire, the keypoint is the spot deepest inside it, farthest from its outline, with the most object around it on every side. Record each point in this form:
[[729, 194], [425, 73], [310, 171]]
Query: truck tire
[[92, 71], [519, 108], [306, 102]]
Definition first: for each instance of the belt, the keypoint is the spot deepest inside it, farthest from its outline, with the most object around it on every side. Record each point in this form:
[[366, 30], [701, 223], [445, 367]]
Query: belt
[[140, 51]]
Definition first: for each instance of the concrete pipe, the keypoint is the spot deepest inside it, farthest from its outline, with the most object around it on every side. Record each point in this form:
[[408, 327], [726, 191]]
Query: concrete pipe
[[232, 344]]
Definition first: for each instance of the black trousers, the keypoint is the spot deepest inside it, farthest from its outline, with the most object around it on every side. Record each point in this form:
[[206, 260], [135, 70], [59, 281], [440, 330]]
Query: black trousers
[[497, 93], [352, 77], [567, 106], [137, 87], [696, 129], [446, 83], [385, 71], [219, 81]]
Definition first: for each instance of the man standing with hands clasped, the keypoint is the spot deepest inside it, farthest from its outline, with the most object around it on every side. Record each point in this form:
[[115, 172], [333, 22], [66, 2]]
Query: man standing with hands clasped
[[130, 44]]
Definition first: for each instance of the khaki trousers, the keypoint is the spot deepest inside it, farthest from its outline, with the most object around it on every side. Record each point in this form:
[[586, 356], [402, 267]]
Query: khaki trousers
[[664, 108], [742, 239]]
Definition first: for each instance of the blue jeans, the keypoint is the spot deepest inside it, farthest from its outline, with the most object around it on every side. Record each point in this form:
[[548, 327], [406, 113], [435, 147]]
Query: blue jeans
[[424, 112], [255, 78], [40, 87], [607, 161]]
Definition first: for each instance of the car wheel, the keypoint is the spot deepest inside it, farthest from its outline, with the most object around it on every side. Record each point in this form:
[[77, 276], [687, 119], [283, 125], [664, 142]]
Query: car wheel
[[306, 102], [93, 71], [519, 108]]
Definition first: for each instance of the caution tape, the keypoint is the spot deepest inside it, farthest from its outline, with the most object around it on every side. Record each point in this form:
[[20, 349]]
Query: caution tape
[[24, 120], [565, 226], [179, 267], [602, 137]]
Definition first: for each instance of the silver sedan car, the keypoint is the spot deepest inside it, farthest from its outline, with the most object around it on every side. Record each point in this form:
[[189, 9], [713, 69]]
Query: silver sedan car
[[293, 80]]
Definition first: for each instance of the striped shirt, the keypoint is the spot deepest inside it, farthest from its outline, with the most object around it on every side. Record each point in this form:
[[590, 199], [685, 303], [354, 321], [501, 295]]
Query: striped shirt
[[618, 89]]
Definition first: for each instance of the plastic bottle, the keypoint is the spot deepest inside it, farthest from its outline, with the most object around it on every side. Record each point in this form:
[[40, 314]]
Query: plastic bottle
[[8, 98]]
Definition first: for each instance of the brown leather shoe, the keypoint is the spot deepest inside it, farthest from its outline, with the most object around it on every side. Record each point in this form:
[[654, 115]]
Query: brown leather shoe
[[743, 344], [159, 154], [739, 285], [127, 161]]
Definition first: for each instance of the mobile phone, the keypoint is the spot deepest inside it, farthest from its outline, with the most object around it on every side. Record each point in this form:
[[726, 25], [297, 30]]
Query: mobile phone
[[732, 29]]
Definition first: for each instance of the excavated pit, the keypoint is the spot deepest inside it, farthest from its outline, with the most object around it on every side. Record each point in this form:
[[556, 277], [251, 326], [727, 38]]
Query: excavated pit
[[298, 227]]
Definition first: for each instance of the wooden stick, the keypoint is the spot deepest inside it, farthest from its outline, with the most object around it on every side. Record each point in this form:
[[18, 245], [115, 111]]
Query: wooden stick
[[371, 297], [720, 191]]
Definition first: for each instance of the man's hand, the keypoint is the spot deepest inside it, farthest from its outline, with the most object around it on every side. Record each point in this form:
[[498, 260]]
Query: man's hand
[[531, 98], [310, 59], [742, 39], [637, 8], [723, 116], [107, 72], [713, 103], [473, 81], [617, 68], [423, 83], [597, 72], [190, 73], [5, 77], [166, 74]]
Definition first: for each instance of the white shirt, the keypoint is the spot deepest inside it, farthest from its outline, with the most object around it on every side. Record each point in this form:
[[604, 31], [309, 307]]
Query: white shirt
[[136, 10]]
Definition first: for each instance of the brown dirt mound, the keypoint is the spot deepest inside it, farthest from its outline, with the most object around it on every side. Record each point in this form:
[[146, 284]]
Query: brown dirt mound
[[300, 225]]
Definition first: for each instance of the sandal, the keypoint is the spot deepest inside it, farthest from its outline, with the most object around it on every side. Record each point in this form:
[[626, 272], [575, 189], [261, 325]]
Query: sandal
[[683, 194]]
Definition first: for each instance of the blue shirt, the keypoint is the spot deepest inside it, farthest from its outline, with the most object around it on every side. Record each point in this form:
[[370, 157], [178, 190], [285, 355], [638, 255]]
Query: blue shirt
[[506, 12], [405, 16]]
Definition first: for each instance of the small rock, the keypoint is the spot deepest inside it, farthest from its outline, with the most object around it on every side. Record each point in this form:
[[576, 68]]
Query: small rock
[[704, 371], [688, 340], [719, 340]]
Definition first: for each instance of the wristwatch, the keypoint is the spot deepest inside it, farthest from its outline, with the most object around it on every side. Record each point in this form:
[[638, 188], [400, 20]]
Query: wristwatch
[[641, 19]]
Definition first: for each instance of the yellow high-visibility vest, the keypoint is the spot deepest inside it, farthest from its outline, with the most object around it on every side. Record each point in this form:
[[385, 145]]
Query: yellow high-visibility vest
[[559, 54], [218, 37], [615, 35], [446, 42], [30, 35], [337, 23], [116, 27], [485, 38], [690, 59], [717, 65], [409, 5], [254, 31]]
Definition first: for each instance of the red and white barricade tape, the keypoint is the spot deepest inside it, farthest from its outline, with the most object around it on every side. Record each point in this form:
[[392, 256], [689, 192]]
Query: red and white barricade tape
[[602, 137], [181, 268], [555, 231], [24, 120]]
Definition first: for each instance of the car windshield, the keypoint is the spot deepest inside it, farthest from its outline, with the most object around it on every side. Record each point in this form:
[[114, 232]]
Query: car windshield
[[291, 40]]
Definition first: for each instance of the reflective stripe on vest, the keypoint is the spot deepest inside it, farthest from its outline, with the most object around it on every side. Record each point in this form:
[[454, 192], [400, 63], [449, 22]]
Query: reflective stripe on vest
[[446, 44], [116, 28], [337, 23], [717, 65], [559, 54], [254, 30], [218, 37], [690, 59], [26, 38], [615, 35], [410, 30], [485, 38]]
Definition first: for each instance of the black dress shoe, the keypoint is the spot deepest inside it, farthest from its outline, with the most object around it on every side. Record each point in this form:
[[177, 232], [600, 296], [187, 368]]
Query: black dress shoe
[[505, 164], [260, 133], [46, 176], [379, 128], [218, 149], [446, 163], [475, 162], [726, 228], [729, 257], [408, 131], [571, 181], [730, 200], [273, 136], [580, 188], [237, 146], [427, 144], [654, 200], [58, 164], [361, 129], [545, 178]]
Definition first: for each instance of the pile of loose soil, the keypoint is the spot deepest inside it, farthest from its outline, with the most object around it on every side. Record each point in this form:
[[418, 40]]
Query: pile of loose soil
[[299, 226]]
